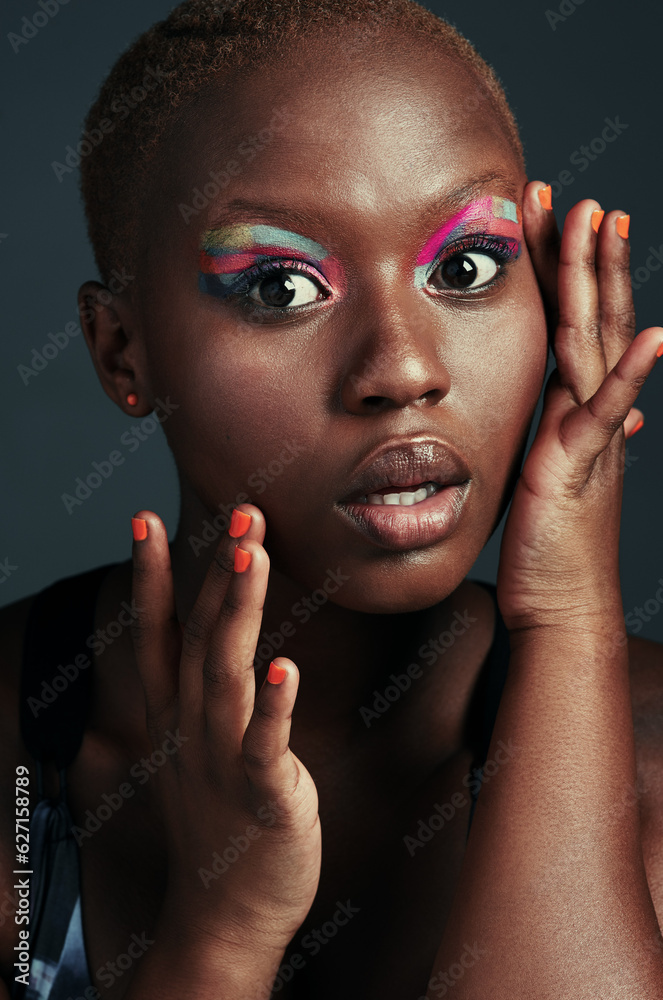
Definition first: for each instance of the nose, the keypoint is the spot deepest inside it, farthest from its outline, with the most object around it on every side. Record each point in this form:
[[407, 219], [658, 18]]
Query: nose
[[399, 360]]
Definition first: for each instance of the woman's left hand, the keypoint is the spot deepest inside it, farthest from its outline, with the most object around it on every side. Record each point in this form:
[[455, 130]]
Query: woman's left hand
[[559, 556]]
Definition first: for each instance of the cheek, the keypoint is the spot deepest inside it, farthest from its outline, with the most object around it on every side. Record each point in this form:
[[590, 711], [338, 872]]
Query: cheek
[[247, 416]]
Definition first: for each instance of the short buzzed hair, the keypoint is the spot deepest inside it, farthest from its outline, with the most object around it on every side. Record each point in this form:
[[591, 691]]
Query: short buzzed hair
[[201, 39]]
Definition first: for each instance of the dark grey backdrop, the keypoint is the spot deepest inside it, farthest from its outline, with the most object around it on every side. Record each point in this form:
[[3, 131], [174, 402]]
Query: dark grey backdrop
[[566, 67]]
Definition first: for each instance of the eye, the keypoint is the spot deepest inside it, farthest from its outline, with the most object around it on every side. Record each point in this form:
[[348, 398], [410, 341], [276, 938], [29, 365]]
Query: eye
[[467, 270], [475, 262], [280, 289]]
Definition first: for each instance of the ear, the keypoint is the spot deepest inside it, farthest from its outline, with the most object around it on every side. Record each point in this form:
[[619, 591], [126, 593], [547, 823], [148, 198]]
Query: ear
[[111, 332]]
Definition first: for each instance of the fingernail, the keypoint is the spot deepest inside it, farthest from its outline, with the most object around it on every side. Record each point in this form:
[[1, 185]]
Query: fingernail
[[597, 216], [239, 523], [637, 427], [623, 222], [545, 197], [242, 559], [659, 351], [276, 674], [139, 528]]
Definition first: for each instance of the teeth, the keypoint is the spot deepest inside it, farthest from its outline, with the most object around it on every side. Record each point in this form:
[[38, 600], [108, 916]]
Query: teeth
[[402, 499]]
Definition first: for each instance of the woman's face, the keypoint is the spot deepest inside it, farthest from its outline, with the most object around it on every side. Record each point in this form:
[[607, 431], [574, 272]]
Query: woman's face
[[376, 342]]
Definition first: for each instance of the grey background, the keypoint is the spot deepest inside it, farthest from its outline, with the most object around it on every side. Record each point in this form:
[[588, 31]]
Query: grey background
[[602, 60]]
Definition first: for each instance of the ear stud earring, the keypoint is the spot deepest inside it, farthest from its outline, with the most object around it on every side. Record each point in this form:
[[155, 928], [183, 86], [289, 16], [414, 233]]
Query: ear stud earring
[[132, 399]]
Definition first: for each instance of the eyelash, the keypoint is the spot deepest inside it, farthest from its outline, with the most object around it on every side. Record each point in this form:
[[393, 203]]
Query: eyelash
[[501, 249], [504, 251]]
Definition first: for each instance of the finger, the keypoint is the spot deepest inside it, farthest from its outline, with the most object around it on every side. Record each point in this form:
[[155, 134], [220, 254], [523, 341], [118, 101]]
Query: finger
[[155, 631], [228, 672], [543, 243], [634, 422], [587, 430], [617, 313], [202, 618], [265, 747], [578, 346]]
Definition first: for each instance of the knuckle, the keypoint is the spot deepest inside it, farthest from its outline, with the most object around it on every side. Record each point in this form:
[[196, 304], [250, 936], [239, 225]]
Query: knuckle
[[224, 562], [216, 679], [230, 609], [622, 315], [195, 636]]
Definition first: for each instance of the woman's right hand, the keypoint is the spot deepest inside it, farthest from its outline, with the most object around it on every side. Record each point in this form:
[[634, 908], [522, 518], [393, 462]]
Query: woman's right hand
[[239, 808]]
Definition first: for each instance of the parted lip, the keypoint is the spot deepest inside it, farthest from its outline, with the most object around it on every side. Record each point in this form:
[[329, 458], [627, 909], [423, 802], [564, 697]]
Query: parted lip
[[407, 463]]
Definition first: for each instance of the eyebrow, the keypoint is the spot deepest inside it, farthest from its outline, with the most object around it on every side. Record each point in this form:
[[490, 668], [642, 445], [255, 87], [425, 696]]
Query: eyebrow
[[447, 201]]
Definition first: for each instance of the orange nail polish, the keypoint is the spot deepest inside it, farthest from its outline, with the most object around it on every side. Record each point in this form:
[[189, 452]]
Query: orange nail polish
[[276, 674], [239, 523], [659, 351], [139, 528], [623, 222], [242, 560], [545, 197], [640, 424], [597, 217]]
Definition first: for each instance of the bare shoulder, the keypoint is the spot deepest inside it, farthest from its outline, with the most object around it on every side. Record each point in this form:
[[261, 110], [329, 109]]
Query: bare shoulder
[[13, 620]]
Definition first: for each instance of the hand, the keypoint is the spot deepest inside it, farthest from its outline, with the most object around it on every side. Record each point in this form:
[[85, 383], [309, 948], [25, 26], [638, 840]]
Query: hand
[[240, 809], [559, 557]]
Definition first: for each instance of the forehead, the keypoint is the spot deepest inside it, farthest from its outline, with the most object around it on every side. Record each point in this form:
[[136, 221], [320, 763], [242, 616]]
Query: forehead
[[340, 141]]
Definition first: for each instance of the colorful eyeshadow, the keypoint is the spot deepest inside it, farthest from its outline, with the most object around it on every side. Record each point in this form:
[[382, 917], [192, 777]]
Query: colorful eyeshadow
[[228, 251], [493, 216]]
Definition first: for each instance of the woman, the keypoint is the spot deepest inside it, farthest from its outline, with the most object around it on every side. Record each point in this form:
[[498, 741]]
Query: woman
[[356, 321]]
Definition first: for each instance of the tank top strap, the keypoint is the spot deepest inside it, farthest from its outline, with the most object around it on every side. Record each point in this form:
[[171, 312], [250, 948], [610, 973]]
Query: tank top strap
[[56, 675], [487, 697]]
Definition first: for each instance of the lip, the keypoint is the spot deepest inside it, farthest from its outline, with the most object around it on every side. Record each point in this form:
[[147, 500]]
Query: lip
[[403, 464]]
